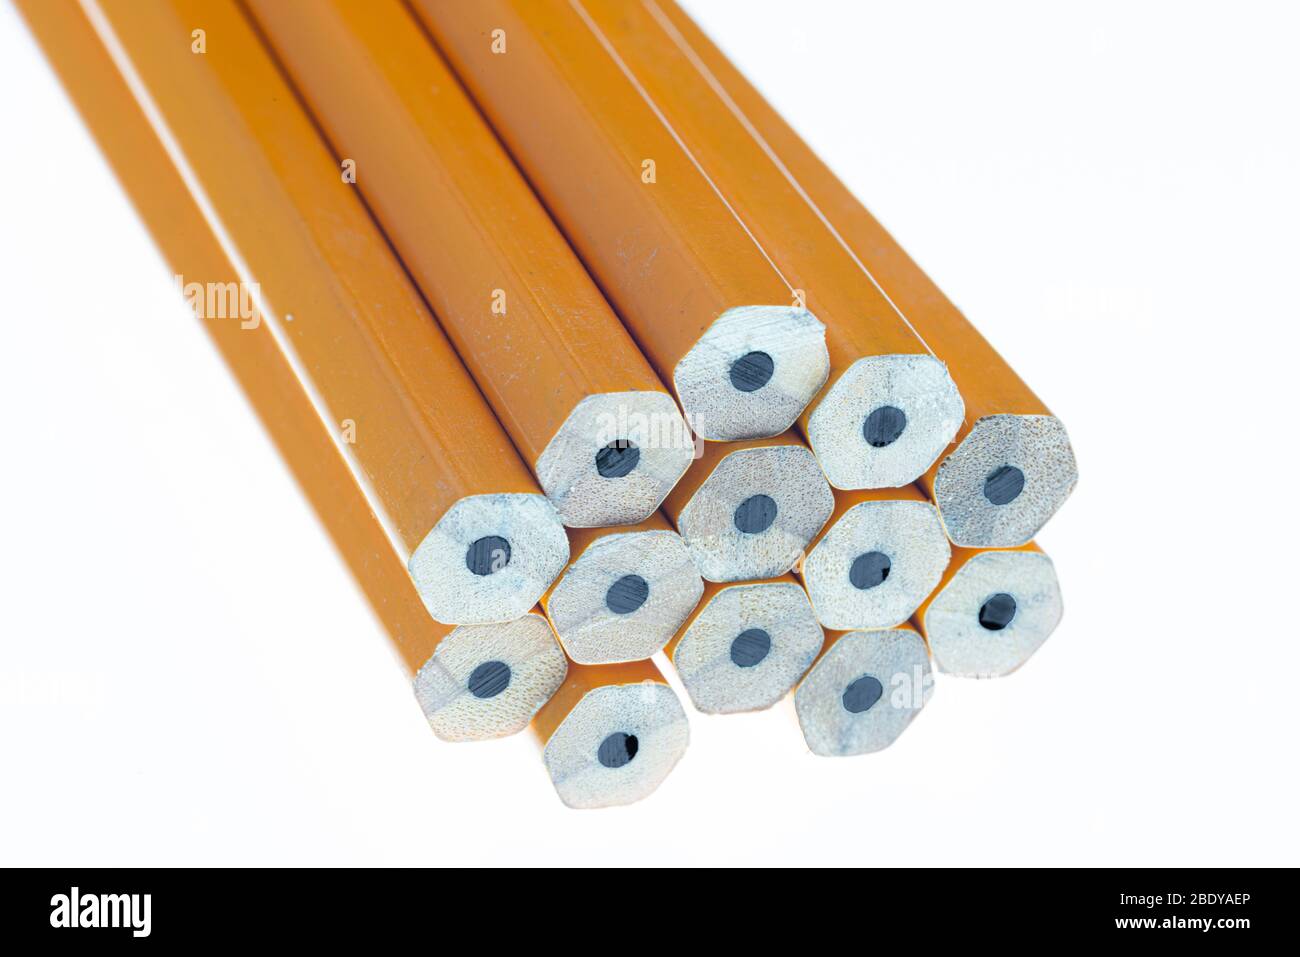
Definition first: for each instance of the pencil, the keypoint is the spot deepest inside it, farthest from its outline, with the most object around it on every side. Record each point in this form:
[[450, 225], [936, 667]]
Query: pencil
[[890, 407], [747, 510], [699, 294], [1013, 465], [578, 399], [626, 591], [864, 691], [991, 611], [483, 542], [488, 681], [611, 734], [284, 403], [882, 552], [746, 645]]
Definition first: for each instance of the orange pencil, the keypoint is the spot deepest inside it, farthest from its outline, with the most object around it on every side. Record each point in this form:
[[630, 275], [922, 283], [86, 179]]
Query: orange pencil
[[625, 593], [991, 611], [746, 645], [611, 734], [483, 542], [701, 296], [523, 661], [890, 408], [747, 510], [581, 403], [1013, 465], [864, 691], [881, 553]]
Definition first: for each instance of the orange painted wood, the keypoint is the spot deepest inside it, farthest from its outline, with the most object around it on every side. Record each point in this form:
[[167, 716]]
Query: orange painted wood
[[458, 212], [277, 395], [424, 436], [987, 382]]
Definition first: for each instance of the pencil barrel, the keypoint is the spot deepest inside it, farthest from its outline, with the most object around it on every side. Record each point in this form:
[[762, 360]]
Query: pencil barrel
[[582, 355], [602, 434], [700, 296]]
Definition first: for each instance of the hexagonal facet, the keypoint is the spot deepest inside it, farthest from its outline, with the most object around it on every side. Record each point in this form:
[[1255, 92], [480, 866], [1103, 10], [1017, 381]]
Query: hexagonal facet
[[863, 692], [615, 458], [747, 647], [624, 597], [486, 681], [616, 745], [993, 614], [753, 372], [884, 421], [1005, 480], [756, 513], [875, 566], [489, 558]]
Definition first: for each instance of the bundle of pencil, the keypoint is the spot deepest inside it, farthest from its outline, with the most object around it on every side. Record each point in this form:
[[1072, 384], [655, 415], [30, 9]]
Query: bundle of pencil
[[585, 361]]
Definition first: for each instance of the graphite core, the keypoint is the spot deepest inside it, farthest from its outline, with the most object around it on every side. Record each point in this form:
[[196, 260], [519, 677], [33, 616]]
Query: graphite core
[[617, 459], [627, 594], [1004, 485], [487, 555], [869, 570], [883, 426], [489, 679], [617, 750], [862, 694], [752, 371], [997, 612], [755, 514], [750, 647]]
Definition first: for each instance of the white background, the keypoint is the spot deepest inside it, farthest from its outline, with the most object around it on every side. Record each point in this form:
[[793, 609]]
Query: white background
[[1109, 190]]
